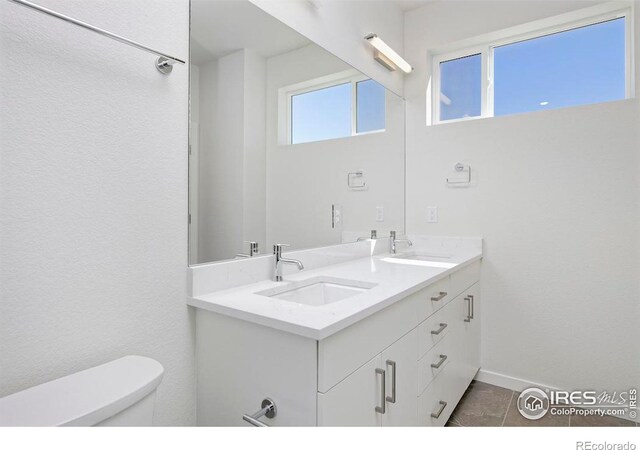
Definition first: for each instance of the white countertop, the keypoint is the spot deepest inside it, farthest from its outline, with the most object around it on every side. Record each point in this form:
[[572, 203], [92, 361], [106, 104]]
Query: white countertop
[[394, 281]]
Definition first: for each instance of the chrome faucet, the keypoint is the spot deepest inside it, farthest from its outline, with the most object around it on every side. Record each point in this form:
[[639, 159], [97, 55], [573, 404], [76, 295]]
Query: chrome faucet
[[393, 241], [277, 251], [253, 250]]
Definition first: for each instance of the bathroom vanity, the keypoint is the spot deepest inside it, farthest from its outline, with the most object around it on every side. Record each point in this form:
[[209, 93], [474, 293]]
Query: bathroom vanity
[[372, 332], [383, 340]]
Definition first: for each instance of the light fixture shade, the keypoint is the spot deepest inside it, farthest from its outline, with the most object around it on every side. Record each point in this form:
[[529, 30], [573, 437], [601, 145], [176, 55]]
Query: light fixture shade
[[389, 53]]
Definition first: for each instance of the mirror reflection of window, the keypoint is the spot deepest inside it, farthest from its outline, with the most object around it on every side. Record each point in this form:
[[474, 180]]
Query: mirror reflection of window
[[321, 114], [370, 109], [344, 109]]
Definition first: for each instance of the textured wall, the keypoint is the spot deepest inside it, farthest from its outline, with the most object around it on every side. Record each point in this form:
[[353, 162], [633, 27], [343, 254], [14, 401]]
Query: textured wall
[[93, 191], [557, 202]]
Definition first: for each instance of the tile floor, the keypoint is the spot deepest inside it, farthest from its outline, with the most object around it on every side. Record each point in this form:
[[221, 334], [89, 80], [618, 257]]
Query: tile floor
[[485, 405]]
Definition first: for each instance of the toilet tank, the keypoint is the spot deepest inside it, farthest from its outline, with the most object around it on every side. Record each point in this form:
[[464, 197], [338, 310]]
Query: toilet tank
[[118, 393]]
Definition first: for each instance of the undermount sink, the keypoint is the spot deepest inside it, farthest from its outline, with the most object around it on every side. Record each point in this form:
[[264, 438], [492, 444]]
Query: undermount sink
[[318, 291], [423, 259]]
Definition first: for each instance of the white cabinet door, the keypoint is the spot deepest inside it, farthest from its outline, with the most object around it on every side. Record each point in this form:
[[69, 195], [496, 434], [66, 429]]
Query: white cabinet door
[[400, 364], [361, 399], [467, 308], [473, 329], [354, 400]]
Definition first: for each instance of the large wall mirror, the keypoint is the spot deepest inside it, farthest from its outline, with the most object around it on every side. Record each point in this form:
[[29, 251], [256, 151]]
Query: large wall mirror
[[288, 143]]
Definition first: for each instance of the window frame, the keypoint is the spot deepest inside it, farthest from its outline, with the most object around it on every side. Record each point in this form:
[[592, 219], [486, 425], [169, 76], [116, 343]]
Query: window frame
[[486, 45], [287, 93]]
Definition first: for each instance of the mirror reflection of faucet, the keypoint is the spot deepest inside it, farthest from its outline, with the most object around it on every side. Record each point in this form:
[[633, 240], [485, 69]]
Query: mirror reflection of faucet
[[277, 251], [253, 250], [374, 236]]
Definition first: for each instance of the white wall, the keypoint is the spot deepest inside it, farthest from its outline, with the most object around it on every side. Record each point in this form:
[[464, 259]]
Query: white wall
[[340, 27], [304, 180], [93, 192], [557, 201]]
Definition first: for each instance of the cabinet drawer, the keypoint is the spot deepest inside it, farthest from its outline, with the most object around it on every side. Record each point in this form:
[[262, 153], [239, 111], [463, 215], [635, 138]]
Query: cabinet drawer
[[464, 278], [437, 400], [434, 297], [342, 353], [435, 328], [443, 352]]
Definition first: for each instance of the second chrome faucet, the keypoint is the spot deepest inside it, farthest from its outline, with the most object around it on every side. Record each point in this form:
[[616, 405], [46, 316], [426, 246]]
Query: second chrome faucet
[[277, 251], [393, 241]]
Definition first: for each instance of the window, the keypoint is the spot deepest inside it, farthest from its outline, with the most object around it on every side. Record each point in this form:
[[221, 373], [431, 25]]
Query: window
[[568, 64], [580, 66], [461, 88], [338, 106]]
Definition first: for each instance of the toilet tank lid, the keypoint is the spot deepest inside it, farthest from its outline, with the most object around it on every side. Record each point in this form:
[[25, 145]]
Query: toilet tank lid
[[84, 398]]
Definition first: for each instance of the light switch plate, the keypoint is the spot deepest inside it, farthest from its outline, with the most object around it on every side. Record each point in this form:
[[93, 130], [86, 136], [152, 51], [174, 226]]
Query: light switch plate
[[379, 213], [432, 214], [336, 216]]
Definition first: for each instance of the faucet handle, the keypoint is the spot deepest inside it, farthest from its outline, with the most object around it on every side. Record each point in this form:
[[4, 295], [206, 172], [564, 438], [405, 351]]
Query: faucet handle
[[392, 234], [253, 247], [277, 248]]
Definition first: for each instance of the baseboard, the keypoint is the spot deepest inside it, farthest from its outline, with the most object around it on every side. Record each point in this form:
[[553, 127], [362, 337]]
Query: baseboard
[[519, 384], [508, 382]]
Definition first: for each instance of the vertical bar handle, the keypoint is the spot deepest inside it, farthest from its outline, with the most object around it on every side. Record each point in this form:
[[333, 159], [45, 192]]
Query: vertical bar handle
[[473, 306], [383, 387], [468, 300], [392, 398]]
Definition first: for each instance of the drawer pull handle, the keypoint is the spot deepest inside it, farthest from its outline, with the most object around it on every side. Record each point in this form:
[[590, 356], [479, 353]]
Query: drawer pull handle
[[473, 307], [392, 398], [443, 405], [437, 365], [469, 314], [383, 386], [439, 330], [440, 296]]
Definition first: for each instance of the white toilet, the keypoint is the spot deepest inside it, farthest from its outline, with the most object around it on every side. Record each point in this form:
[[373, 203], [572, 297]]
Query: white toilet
[[118, 393]]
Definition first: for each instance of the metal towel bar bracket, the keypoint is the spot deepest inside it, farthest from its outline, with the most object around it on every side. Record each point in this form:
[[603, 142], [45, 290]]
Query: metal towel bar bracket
[[164, 63], [268, 410]]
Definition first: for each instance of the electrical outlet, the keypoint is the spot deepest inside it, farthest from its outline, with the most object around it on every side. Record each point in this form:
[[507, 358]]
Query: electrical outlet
[[432, 214], [379, 214]]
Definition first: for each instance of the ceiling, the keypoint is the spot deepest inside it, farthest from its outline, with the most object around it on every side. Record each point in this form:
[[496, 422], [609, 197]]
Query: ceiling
[[221, 27]]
